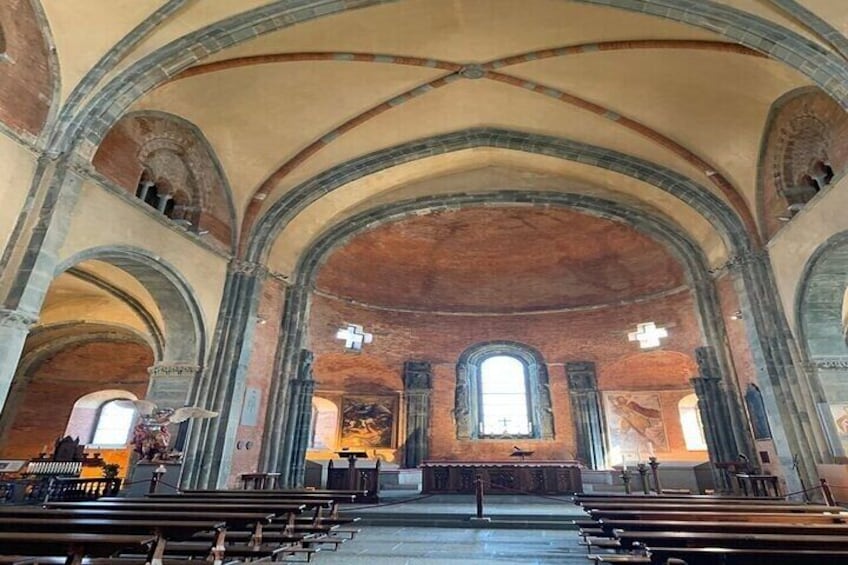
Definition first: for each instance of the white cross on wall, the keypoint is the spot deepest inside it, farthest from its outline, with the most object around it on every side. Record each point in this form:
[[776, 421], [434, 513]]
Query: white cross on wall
[[648, 335], [355, 337]]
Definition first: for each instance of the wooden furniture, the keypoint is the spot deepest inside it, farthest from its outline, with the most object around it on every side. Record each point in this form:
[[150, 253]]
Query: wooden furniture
[[353, 478], [758, 485], [75, 545], [259, 481], [502, 477]]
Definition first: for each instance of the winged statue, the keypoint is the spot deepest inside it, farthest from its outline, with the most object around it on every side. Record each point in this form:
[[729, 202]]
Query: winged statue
[[151, 438]]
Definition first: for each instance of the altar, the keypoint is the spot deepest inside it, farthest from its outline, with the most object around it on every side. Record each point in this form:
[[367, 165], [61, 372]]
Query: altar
[[502, 477]]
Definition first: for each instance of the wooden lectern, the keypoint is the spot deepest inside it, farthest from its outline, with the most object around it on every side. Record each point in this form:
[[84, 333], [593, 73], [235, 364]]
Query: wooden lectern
[[352, 475]]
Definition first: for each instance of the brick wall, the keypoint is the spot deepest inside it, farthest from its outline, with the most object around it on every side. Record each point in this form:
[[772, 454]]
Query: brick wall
[[177, 158], [42, 408], [259, 372], [803, 127], [595, 335], [26, 85]]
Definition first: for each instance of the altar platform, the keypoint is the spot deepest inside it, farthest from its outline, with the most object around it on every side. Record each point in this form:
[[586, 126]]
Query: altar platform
[[502, 477]]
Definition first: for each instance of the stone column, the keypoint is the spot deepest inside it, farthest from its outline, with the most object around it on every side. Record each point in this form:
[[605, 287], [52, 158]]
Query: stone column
[[417, 383], [301, 389], [788, 390], [170, 387], [221, 386], [587, 413], [14, 328]]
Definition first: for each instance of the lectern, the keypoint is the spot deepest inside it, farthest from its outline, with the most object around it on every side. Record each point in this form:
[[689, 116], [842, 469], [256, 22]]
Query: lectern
[[352, 475]]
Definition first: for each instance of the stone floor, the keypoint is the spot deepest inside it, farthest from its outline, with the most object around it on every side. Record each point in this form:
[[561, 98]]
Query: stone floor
[[446, 546]]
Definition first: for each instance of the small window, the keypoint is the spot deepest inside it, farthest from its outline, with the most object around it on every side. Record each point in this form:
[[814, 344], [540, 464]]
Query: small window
[[113, 424], [503, 397], [690, 422], [502, 391], [2, 44]]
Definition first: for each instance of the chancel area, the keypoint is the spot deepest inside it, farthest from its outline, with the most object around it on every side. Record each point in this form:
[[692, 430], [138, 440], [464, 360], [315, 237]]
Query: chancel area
[[409, 247]]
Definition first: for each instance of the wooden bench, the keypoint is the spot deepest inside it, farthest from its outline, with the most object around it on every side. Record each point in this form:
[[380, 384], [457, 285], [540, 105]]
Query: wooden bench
[[718, 516], [75, 545], [746, 556], [631, 539]]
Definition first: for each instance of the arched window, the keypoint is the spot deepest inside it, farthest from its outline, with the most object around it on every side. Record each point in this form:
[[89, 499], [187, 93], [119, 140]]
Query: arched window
[[502, 391], [690, 422], [113, 424], [503, 397]]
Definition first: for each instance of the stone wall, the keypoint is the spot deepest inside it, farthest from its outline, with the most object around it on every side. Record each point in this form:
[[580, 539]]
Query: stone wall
[[593, 335]]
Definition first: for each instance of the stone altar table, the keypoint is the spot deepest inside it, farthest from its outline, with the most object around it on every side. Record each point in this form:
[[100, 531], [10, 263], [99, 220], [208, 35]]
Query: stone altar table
[[502, 477]]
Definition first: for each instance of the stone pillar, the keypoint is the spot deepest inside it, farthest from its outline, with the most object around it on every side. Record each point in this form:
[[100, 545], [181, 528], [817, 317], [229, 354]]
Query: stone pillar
[[301, 389], [222, 384], [587, 413], [417, 383], [789, 391], [170, 387], [14, 328]]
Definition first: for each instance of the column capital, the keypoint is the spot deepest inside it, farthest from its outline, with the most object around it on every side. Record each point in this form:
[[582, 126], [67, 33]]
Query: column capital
[[17, 319], [175, 370], [250, 268]]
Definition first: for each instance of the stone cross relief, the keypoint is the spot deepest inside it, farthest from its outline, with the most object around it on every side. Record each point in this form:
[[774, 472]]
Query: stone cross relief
[[648, 335], [354, 337]]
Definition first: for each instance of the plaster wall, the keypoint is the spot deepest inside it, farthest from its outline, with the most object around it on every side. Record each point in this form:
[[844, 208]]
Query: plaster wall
[[791, 247], [17, 166], [102, 219]]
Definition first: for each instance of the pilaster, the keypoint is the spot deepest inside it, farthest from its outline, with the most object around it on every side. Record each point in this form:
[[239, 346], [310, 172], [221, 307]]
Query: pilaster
[[417, 382]]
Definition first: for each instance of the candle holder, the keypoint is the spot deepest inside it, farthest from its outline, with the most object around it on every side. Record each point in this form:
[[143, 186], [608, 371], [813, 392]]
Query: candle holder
[[654, 464], [626, 477], [643, 476]]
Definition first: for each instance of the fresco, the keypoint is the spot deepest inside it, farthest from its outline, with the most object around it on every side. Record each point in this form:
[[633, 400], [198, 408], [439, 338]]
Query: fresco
[[368, 421], [635, 423]]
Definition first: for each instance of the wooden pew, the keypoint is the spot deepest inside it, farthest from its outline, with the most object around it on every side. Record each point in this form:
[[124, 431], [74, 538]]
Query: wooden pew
[[746, 556], [825, 518], [753, 527], [726, 507], [75, 545]]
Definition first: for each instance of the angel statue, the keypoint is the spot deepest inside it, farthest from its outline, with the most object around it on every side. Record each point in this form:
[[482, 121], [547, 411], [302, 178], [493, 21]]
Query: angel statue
[[151, 438]]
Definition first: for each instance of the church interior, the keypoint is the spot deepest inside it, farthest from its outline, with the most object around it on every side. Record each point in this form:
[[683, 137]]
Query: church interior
[[595, 231]]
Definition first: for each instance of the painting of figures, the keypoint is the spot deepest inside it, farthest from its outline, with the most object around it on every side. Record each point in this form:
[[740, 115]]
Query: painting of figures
[[635, 423], [368, 421]]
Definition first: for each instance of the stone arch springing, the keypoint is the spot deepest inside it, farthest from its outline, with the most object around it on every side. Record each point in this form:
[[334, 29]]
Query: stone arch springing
[[727, 222], [468, 405], [184, 329], [650, 222], [820, 303]]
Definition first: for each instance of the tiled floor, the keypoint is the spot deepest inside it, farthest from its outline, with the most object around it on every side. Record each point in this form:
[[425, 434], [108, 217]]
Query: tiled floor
[[446, 546]]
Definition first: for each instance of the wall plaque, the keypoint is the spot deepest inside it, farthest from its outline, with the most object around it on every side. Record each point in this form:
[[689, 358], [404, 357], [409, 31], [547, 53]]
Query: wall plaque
[[250, 407]]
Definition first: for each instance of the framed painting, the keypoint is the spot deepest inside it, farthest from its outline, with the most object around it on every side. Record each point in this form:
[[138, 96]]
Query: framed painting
[[368, 421], [635, 422]]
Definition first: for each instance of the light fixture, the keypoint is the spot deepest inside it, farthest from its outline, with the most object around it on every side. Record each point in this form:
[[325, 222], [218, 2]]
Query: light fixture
[[737, 315]]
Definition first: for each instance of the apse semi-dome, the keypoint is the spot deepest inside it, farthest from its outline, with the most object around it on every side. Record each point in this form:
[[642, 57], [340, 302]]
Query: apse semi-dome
[[491, 260]]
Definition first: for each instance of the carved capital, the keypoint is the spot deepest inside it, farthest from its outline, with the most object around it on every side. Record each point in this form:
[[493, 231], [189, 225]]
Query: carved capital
[[16, 319], [837, 363], [249, 268], [183, 371]]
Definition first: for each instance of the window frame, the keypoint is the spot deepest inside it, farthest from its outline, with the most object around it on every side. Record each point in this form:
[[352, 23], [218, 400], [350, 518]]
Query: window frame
[[468, 393], [481, 416], [96, 426]]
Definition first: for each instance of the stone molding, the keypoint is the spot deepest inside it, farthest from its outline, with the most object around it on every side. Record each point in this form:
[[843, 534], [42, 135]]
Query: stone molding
[[249, 268], [16, 319], [830, 363], [184, 371]]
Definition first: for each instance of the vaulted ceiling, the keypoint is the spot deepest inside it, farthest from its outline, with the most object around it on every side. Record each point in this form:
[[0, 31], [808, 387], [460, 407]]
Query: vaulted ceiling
[[315, 85]]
